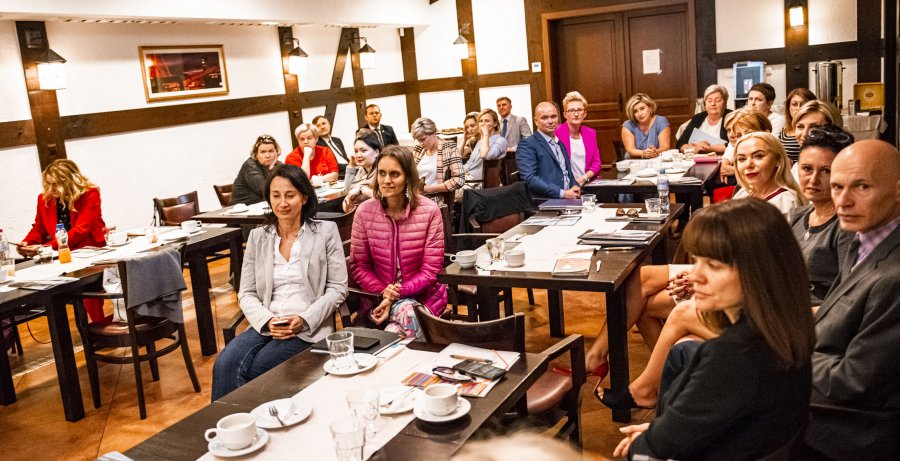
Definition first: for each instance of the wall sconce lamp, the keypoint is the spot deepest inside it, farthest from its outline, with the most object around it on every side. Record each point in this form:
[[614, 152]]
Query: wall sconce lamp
[[367, 59], [797, 13], [297, 59], [461, 44], [51, 70]]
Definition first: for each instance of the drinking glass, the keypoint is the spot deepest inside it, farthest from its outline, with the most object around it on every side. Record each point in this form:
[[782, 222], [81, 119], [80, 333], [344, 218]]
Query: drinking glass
[[495, 248], [340, 346], [363, 404], [588, 203], [45, 255], [689, 153], [652, 206], [8, 266], [349, 436]]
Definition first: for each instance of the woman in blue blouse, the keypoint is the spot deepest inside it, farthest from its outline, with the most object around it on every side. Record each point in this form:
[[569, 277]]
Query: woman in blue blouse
[[492, 144], [645, 134]]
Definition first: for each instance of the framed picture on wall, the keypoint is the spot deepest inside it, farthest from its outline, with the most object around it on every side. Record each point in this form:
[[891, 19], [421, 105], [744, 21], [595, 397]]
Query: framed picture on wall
[[177, 72]]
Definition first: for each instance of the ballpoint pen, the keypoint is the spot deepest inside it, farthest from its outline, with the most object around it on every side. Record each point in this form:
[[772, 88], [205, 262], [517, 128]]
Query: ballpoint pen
[[474, 359], [618, 248], [598, 266]]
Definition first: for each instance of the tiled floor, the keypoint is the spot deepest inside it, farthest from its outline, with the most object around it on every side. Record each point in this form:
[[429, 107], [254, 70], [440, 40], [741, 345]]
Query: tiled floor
[[34, 427]]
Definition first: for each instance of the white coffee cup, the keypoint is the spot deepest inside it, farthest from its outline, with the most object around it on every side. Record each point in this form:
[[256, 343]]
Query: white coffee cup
[[316, 180], [465, 258], [117, 238], [514, 257], [190, 225], [666, 156], [234, 431], [623, 165], [440, 399]]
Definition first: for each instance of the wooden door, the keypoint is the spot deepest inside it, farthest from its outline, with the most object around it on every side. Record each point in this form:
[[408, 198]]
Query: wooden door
[[601, 56]]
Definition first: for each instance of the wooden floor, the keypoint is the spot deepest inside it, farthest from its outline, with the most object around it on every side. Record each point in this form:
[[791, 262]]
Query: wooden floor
[[34, 426]]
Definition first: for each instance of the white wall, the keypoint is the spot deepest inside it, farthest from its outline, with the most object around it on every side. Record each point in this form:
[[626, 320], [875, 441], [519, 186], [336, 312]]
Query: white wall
[[520, 95], [20, 184], [434, 43], [500, 45], [389, 67], [133, 168], [320, 43], [832, 21], [393, 113], [13, 94], [446, 108], [743, 25]]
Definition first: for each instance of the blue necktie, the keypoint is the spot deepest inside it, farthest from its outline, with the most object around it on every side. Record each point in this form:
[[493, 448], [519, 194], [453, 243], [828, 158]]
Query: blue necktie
[[504, 128], [554, 146]]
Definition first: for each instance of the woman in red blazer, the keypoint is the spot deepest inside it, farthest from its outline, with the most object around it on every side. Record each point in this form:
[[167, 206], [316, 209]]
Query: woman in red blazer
[[70, 199], [586, 155]]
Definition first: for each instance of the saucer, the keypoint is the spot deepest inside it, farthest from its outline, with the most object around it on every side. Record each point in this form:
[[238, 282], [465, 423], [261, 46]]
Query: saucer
[[215, 447], [675, 170], [462, 409], [399, 404], [301, 410], [117, 245], [646, 173], [366, 361]]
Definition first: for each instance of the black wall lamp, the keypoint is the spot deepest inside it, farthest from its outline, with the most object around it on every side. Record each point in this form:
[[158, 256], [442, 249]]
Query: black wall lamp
[[297, 58]]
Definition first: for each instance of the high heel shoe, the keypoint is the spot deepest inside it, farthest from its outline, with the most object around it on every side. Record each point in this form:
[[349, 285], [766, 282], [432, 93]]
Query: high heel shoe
[[618, 401], [601, 371]]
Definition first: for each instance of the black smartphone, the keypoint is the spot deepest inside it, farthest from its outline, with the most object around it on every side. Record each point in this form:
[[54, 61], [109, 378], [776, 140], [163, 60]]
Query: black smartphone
[[479, 369]]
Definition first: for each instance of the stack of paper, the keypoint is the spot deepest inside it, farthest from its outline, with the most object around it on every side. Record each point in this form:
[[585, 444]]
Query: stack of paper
[[636, 238], [573, 263]]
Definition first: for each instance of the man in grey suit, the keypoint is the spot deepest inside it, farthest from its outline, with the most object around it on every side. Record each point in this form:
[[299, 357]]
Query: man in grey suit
[[512, 127], [856, 390]]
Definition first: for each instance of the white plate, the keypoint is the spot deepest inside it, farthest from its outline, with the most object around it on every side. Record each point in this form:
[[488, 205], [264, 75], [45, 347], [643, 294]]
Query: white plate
[[646, 173], [301, 410], [399, 404], [216, 447], [366, 361], [117, 245], [462, 409], [675, 170]]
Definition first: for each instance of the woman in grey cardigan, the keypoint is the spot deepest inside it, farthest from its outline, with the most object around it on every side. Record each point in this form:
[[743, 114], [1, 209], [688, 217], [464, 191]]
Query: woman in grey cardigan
[[294, 277]]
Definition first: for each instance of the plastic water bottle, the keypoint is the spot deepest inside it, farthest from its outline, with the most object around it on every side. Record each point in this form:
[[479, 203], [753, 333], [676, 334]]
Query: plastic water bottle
[[62, 242], [662, 187], [5, 258], [4, 247]]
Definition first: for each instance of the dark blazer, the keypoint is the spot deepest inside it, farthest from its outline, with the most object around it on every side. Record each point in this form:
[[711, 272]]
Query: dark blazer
[[387, 134], [250, 183], [339, 152], [731, 402], [539, 169], [856, 357], [695, 122]]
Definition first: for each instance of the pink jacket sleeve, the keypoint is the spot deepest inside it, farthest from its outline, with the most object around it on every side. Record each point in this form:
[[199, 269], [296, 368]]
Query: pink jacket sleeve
[[432, 259], [592, 150], [360, 257]]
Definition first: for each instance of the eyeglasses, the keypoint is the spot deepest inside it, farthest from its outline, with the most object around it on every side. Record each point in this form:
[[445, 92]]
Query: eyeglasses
[[836, 136], [629, 212], [578, 110]]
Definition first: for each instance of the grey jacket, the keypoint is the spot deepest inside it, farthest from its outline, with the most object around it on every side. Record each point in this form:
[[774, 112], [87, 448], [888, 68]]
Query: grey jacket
[[517, 129], [322, 257]]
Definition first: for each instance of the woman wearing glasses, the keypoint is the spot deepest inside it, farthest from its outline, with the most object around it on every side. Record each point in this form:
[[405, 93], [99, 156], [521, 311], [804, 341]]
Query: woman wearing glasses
[[250, 183], [645, 134], [580, 140], [294, 277]]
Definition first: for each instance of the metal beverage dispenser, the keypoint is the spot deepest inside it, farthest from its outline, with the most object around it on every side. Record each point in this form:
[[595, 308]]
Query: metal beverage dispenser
[[830, 82]]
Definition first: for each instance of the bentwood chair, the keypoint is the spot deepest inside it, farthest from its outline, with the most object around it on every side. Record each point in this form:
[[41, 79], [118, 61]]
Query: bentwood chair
[[175, 210], [554, 397], [138, 331], [224, 192]]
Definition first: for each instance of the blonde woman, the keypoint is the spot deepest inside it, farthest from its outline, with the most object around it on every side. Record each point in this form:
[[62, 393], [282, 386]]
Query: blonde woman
[[437, 160], [737, 124], [715, 98], [472, 135], [645, 134], [814, 114], [490, 146], [796, 98], [580, 141], [72, 200], [763, 171]]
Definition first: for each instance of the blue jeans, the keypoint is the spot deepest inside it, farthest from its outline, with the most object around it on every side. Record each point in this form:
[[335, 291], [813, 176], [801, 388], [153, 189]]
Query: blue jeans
[[679, 357], [248, 356]]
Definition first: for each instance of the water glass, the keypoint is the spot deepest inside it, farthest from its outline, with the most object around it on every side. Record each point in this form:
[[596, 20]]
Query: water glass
[[8, 266], [349, 436], [588, 203], [363, 403], [652, 206], [45, 255], [689, 153], [152, 234], [340, 346], [495, 247]]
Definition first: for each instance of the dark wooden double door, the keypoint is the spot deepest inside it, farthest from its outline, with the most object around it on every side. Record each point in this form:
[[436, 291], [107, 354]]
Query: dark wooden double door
[[601, 56]]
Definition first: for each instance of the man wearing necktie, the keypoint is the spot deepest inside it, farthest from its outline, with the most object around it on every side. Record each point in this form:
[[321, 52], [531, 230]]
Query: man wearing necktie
[[542, 160], [385, 133], [854, 363], [512, 127]]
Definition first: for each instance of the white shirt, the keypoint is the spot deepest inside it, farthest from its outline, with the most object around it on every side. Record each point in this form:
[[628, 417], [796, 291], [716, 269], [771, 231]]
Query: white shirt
[[712, 130], [427, 169], [577, 156], [287, 282], [786, 201], [777, 121]]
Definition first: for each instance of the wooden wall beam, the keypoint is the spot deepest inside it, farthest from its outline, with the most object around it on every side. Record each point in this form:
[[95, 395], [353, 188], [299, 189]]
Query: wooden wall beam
[[796, 52], [291, 82], [707, 62], [337, 74], [359, 84], [464, 19], [50, 140], [891, 89], [410, 73], [16, 133], [868, 38]]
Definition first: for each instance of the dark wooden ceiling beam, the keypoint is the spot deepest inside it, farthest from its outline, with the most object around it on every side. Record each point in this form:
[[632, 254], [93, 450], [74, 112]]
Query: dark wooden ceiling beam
[[49, 138]]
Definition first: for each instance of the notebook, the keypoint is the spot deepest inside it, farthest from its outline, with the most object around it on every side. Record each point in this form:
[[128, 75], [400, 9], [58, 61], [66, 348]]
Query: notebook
[[561, 204], [368, 340]]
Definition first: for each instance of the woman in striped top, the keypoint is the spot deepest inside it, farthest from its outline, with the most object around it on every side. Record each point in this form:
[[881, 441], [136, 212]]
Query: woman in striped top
[[787, 136]]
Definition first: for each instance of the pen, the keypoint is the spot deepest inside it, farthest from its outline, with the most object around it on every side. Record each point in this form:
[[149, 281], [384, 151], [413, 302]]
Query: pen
[[618, 248], [598, 266], [475, 359]]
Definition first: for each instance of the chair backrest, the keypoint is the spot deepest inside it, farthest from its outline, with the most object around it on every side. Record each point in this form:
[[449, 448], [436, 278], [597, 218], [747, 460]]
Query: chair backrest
[[224, 193], [447, 221], [506, 334], [344, 222], [621, 153], [491, 173], [173, 211], [499, 225], [510, 169]]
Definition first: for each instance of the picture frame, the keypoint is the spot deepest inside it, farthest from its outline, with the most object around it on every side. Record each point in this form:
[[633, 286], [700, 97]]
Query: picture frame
[[180, 72]]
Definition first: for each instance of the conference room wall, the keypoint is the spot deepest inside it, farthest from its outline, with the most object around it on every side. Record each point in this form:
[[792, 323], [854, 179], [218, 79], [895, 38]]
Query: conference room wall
[[20, 184], [13, 94], [344, 126], [435, 57], [501, 42]]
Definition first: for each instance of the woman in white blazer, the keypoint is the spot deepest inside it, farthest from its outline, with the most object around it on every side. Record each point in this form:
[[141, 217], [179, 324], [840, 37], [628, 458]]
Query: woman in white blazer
[[293, 278]]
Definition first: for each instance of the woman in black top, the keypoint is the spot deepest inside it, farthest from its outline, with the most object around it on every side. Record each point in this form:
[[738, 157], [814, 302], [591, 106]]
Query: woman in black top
[[250, 183], [745, 393], [715, 98]]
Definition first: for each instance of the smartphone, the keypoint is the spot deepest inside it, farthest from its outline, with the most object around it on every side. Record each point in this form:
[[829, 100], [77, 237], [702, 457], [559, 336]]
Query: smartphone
[[281, 323], [479, 369]]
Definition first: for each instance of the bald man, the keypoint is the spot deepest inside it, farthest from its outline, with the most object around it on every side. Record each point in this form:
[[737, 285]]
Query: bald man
[[857, 353], [543, 163]]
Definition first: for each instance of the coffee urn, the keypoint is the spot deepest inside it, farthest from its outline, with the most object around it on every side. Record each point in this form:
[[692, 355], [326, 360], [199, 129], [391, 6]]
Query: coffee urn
[[829, 82]]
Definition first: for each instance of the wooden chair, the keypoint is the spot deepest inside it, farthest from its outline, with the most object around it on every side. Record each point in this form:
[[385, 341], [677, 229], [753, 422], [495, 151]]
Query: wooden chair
[[22, 315], [137, 332], [224, 192], [510, 169], [621, 153], [554, 396], [344, 222], [173, 211]]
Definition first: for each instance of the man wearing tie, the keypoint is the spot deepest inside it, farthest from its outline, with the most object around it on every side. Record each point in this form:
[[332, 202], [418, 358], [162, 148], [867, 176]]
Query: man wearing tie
[[854, 363], [543, 163], [385, 133], [512, 127]]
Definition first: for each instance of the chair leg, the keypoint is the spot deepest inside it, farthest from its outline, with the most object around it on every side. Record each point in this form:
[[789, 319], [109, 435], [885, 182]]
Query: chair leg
[[17, 340], [186, 352], [530, 296], [508, 302], [138, 379], [154, 364]]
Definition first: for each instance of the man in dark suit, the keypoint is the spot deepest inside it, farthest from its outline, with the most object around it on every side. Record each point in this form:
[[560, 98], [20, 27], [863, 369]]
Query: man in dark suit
[[543, 163], [384, 133], [858, 325]]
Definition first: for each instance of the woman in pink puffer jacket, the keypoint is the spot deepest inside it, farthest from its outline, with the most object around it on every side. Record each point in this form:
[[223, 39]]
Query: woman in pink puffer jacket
[[397, 245]]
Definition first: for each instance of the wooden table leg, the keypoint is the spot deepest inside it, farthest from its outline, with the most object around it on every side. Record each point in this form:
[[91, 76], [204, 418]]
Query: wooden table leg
[[200, 286], [64, 357], [556, 313], [7, 389], [618, 347], [488, 304], [237, 258]]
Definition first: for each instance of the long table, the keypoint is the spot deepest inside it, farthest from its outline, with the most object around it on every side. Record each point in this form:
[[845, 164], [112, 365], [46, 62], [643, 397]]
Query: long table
[[616, 267], [329, 204], [56, 298], [418, 440]]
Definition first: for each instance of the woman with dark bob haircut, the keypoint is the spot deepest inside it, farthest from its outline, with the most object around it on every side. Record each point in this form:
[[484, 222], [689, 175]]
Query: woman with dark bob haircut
[[293, 278], [745, 393]]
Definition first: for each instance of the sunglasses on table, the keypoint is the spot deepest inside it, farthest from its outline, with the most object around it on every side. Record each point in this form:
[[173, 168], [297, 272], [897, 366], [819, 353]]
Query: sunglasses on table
[[628, 212]]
